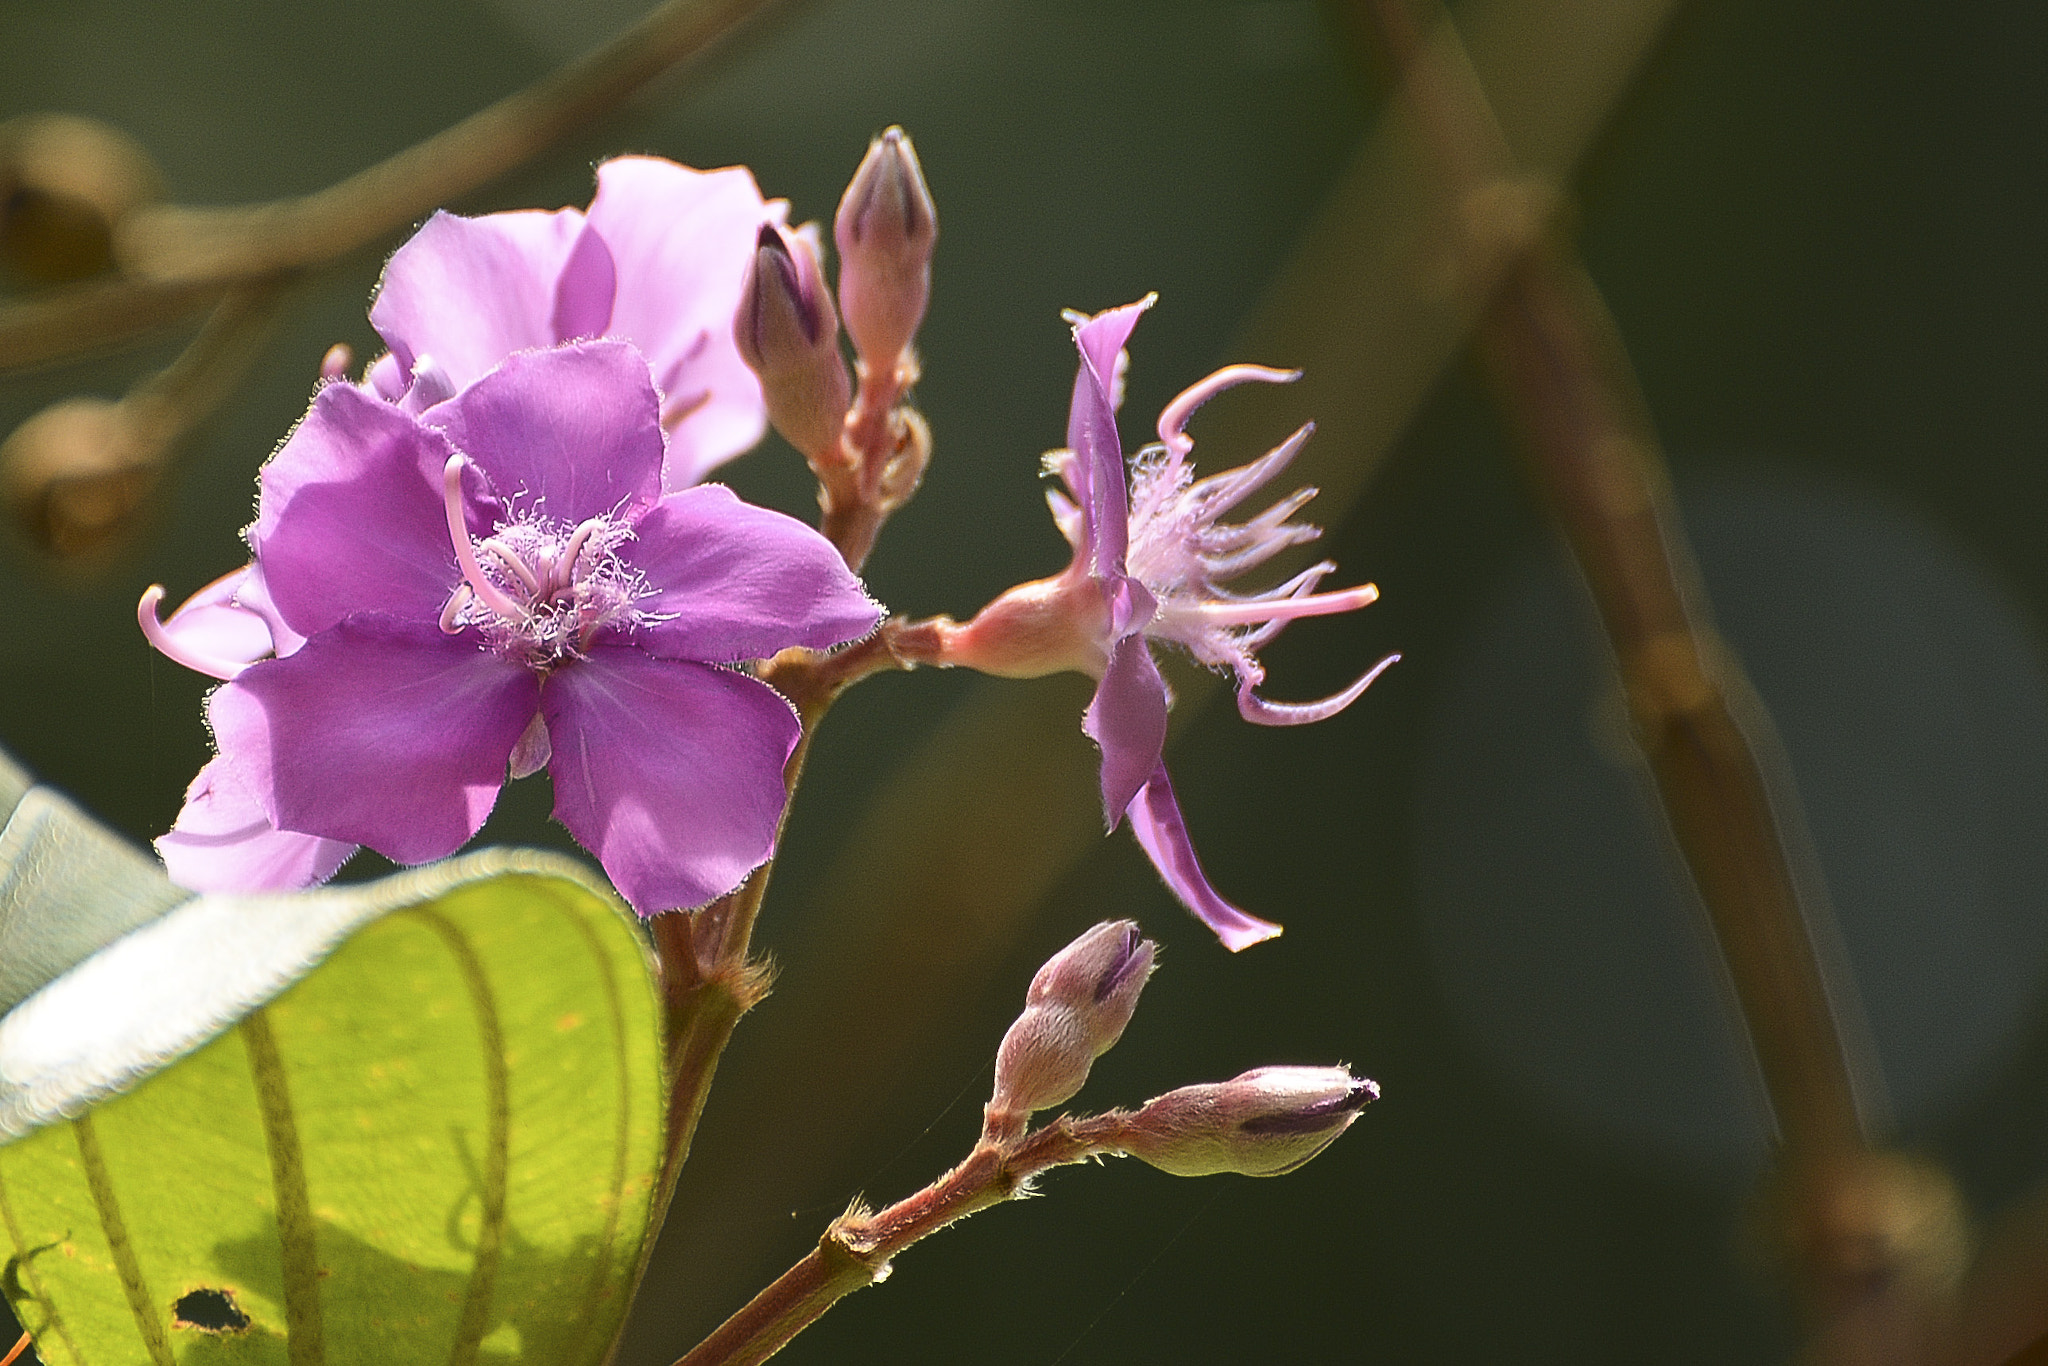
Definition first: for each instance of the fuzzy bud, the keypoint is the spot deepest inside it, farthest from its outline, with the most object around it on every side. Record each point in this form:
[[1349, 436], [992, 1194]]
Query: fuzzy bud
[[788, 332], [1075, 1012], [1265, 1122], [78, 476], [65, 185], [886, 229]]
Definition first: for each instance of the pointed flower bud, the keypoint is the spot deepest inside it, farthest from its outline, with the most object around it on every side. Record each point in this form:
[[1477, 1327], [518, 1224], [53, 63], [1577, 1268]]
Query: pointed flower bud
[[1265, 1122], [788, 332], [886, 229], [1075, 1012]]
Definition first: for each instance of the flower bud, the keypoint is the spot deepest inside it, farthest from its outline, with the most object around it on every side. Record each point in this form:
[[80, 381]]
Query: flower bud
[[1075, 1012], [787, 330], [65, 182], [78, 476], [885, 229], [1265, 1122]]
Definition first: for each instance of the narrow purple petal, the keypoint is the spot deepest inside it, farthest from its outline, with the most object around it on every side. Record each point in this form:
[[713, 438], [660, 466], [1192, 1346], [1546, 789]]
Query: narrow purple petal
[[1092, 434], [1127, 718], [571, 432], [681, 240], [671, 773], [350, 516], [224, 842], [1156, 821], [585, 292], [380, 732], [739, 582], [471, 291]]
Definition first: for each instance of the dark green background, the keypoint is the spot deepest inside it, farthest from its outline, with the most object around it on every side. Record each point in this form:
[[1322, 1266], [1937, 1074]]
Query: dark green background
[[1821, 228]]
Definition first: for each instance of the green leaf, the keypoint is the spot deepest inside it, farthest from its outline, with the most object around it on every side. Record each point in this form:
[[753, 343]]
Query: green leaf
[[412, 1121], [68, 886]]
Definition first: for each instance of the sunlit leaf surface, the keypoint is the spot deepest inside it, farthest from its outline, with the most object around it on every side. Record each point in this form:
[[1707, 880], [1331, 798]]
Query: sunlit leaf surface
[[411, 1121]]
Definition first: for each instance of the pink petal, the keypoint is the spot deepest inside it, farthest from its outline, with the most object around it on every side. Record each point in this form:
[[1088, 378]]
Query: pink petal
[[350, 517], [739, 582], [253, 594], [214, 623], [378, 732], [586, 289], [1156, 821], [671, 773], [224, 842], [571, 432], [471, 291], [1127, 718], [681, 240], [1092, 434], [385, 378]]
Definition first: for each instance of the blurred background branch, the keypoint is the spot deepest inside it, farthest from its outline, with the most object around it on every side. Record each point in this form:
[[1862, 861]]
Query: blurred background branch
[[78, 200]]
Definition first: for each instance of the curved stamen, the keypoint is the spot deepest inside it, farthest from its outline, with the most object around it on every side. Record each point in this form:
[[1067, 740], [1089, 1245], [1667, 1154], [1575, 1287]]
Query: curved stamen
[[457, 600], [1256, 612], [510, 559], [1174, 416], [1261, 712], [1219, 493], [1300, 586], [566, 566], [488, 593], [168, 645]]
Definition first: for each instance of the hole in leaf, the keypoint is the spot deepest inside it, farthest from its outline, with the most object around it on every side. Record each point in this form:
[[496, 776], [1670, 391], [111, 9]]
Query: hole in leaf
[[211, 1311]]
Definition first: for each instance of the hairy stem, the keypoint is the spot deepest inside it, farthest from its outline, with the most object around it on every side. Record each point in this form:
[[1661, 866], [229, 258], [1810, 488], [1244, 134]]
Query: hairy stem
[[886, 446], [856, 1250]]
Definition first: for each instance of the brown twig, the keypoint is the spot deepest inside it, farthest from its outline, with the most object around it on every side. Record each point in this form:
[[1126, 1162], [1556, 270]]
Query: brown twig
[[14, 1353], [82, 473], [77, 320], [1558, 366], [186, 245], [178, 258]]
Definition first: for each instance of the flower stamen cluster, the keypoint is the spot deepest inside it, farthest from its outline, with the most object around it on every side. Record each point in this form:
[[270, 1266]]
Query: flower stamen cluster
[[549, 585]]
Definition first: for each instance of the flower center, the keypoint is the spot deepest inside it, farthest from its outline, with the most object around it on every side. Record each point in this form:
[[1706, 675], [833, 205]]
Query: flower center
[[538, 589]]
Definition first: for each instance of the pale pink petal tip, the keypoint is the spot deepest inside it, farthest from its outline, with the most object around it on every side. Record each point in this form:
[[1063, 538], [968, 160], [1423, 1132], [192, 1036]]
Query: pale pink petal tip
[[1156, 821]]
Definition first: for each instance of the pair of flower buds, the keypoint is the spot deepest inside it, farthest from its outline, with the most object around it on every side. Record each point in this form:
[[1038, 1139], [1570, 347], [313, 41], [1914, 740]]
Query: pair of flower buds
[[786, 327], [1265, 1122]]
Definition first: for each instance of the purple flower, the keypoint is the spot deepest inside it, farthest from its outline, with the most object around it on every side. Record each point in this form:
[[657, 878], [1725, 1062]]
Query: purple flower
[[499, 584], [1149, 558], [657, 260]]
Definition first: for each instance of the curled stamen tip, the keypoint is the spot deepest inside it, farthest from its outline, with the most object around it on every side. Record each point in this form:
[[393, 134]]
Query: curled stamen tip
[[1174, 417], [167, 645], [1261, 712]]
